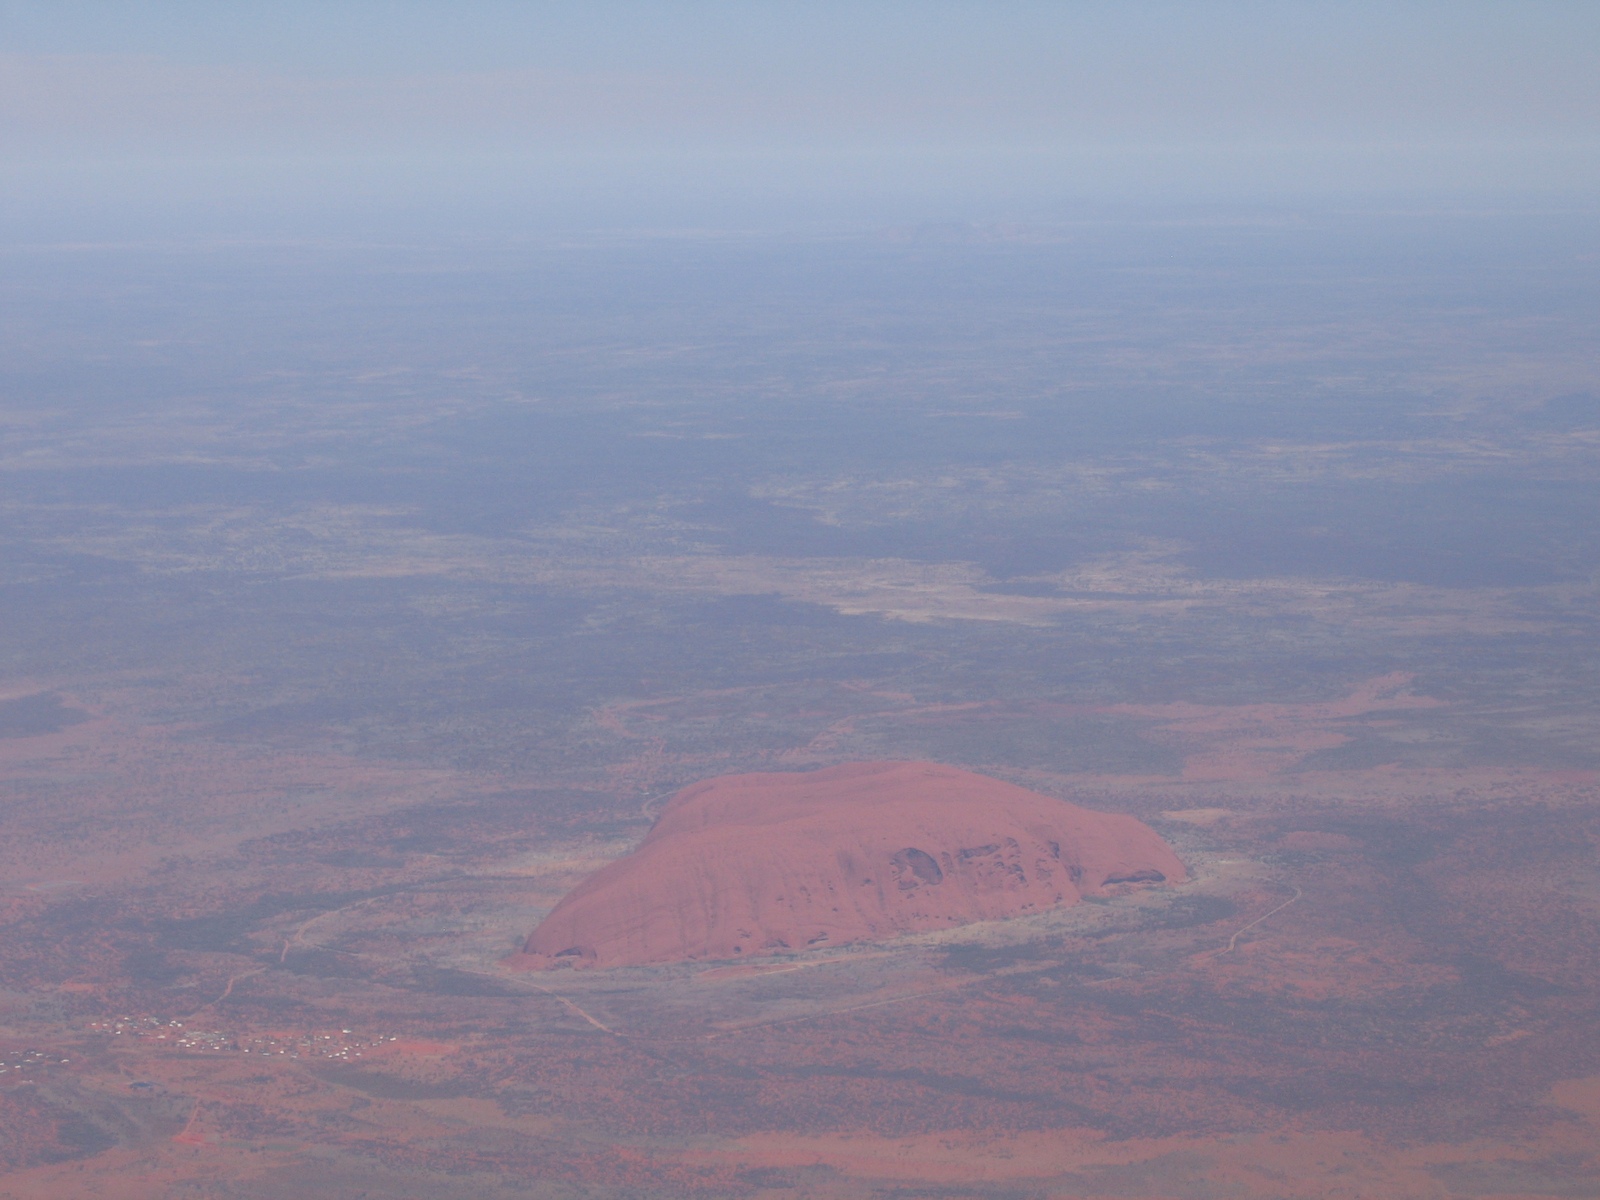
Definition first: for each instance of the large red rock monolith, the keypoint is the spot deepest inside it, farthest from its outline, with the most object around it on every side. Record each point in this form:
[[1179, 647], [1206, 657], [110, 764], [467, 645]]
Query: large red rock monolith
[[750, 865]]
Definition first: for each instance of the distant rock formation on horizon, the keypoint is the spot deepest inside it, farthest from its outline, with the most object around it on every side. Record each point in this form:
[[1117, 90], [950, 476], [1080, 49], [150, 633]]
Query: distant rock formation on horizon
[[748, 865]]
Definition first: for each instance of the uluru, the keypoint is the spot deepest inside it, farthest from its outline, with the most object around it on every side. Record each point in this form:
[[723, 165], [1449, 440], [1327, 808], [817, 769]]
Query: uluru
[[760, 864]]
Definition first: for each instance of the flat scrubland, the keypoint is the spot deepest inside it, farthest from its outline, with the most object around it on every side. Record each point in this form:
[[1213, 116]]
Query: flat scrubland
[[1380, 979], [355, 609]]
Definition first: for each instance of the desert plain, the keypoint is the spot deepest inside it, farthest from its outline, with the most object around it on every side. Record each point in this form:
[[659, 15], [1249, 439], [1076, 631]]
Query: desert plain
[[358, 607]]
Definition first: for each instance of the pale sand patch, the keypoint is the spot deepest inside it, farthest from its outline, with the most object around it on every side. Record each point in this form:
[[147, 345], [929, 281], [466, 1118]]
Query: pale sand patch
[[333, 542], [1199, 816], [1581, 1096]]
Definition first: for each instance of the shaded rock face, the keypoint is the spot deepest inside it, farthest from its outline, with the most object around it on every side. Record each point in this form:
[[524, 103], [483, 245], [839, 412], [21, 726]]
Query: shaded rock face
[[749, 865]]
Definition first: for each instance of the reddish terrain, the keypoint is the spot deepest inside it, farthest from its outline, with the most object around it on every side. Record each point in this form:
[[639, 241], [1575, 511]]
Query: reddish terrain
[[1379, 980], [767, 863]]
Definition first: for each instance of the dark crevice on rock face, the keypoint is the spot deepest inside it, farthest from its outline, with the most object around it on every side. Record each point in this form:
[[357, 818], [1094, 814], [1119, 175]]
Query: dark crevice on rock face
[[921, 865], [1146, 876]]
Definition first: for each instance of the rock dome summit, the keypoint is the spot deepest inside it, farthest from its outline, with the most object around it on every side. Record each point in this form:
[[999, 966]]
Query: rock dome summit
[[751, 865]]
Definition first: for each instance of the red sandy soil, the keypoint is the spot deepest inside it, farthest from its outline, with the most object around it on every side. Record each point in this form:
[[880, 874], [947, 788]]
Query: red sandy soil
[[1354, 1021], [767, 863], [113, 797], [1261, 741], [414, 1047]]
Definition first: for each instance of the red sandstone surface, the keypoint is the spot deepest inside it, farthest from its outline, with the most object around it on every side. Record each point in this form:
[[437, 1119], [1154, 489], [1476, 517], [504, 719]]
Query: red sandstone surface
[[767, 863]]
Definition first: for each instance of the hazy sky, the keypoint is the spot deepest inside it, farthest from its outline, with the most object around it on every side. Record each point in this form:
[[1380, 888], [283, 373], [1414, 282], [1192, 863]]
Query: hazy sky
[[1021, 98]]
